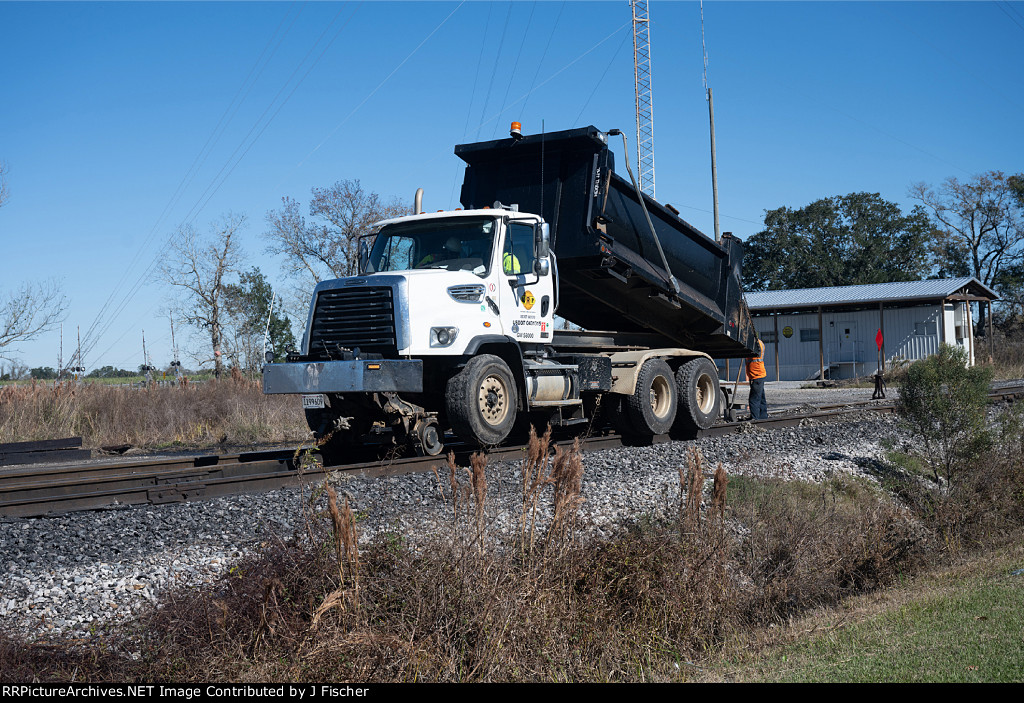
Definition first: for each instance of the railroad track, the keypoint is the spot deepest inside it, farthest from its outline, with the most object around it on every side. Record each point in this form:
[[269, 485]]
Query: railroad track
[[35, 491]]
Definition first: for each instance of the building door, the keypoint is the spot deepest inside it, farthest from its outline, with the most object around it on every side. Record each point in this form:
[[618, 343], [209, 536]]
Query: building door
[[845, 345]]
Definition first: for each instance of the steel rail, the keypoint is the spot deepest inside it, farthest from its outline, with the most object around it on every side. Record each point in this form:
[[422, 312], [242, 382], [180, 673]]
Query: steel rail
[[46, 490]]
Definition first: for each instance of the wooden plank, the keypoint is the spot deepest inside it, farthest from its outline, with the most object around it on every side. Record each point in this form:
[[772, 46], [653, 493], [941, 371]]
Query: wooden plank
[[41, 445], [47, 457]]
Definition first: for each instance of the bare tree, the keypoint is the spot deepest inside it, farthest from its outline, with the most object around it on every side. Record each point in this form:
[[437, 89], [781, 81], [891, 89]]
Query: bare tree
[[33, 309], [981, 231], [980, 223], [200, 267], [327, 246], [30, 311]]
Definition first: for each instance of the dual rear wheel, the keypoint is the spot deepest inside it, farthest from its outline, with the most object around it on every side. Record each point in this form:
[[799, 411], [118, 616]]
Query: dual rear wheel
[[684, 401]]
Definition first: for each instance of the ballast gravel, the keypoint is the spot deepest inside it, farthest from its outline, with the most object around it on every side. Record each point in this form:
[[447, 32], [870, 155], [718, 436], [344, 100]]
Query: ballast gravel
[[78, 574]]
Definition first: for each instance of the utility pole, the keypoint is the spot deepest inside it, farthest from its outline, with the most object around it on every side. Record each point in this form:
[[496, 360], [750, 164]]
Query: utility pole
[[145, 361], [79, 367], [174, 349], [711, 115], [644, 97]]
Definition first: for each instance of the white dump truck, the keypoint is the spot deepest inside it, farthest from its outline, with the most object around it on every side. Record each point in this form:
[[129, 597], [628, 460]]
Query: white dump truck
[[449, 330]]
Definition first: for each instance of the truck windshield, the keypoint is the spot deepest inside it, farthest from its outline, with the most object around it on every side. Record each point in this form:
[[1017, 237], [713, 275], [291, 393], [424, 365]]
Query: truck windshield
[[464, 244]]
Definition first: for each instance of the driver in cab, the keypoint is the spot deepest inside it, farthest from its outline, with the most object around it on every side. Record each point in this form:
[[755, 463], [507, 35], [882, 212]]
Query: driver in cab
[[452, 249]]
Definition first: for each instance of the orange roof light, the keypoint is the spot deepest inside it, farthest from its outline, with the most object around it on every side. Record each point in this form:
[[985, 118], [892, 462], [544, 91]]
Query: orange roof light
[[516, 131]]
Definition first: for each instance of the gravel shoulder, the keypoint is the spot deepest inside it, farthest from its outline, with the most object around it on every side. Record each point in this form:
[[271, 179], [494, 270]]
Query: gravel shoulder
[[80, 573]]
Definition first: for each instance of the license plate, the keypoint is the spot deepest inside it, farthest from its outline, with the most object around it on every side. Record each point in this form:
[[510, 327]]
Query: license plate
[[312, 401]]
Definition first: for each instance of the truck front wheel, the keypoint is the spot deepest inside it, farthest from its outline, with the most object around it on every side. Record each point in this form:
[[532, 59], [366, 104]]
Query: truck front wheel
[[481, 400]]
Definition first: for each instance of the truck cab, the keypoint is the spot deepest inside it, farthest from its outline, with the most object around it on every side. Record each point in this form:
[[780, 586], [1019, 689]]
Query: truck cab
[[435, 291], [470, 275]]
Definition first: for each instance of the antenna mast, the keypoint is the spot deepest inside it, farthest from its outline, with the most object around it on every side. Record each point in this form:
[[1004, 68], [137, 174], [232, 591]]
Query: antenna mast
[[644, 100]]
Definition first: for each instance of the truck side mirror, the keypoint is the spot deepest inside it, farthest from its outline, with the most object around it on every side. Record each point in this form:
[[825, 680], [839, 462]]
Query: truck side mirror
[[541, 267], [541, 240]]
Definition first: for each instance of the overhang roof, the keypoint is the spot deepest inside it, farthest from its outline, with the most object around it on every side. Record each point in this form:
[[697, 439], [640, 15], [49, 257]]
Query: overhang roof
[[902, 292]]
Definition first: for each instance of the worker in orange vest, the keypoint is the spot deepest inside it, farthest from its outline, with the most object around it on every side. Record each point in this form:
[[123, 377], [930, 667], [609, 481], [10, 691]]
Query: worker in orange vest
[[757, 374]]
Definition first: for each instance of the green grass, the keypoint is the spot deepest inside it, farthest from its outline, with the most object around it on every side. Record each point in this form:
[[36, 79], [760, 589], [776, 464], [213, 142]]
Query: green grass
[[963, 626]]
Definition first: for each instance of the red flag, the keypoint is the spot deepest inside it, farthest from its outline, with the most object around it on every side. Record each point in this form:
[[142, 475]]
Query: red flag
[[878, 340]]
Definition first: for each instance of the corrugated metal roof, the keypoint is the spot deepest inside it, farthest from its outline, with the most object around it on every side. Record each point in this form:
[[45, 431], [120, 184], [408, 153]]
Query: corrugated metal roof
[[905, 291]]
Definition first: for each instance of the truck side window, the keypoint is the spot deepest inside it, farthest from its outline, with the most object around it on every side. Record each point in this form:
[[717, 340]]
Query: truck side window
[[397, 254], [517, 255]]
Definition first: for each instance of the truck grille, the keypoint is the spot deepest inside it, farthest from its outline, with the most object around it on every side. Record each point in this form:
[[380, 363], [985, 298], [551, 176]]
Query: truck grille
[[353, 317]]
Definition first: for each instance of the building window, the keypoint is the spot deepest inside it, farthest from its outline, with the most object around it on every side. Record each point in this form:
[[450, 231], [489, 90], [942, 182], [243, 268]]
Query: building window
[[810, 334], [925, 329], [768, 337]]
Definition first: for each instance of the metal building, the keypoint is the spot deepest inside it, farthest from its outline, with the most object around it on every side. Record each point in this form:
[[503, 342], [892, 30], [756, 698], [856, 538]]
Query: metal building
[[815, 333]]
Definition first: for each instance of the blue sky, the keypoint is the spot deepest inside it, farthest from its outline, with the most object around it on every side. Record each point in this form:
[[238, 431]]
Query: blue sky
[[120, 122]]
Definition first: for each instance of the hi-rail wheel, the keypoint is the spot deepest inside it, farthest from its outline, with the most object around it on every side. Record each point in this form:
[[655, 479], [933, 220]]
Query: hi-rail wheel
[[699, 395], [481, 400], [429, 439], [652, 407]]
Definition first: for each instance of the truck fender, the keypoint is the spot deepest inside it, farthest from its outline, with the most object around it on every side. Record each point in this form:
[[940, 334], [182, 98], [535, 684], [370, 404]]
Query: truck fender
[[626, 365], [509, 350]]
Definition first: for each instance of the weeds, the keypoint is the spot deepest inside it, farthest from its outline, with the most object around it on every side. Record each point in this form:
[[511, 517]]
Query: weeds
[[531, 601], [197, 415]]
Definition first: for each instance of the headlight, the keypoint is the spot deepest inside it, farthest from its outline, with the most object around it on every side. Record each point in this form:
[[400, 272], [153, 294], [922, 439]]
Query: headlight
[[443, 336]]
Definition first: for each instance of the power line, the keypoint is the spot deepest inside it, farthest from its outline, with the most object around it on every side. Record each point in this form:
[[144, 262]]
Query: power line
[[185, 181], [494, 69], [214, 186], [615, 57], [379, 86], [1005, 12], [554, 75], [540, 64]]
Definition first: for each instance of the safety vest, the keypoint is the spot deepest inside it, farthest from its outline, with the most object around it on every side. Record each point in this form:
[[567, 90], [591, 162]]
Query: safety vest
[[755, 365], [510, 263]]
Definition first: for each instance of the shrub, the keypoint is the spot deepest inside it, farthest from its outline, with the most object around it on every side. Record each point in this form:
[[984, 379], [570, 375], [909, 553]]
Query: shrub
[[943, 402]]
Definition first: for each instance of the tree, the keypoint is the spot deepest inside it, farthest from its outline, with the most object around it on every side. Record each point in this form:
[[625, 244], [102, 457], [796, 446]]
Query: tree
[[838, 241], [200, 266], [34, 309], [1016, 184], [980, 226], [30, 311], [111, 372], [15, 372], [248, 305], [327, 247]]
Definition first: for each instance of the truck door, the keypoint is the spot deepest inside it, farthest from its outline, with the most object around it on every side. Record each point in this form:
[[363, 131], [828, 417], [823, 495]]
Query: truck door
[[526, 299]]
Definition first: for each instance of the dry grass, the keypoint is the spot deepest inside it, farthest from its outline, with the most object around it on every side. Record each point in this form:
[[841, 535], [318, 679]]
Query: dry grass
[[233, 411], [533, 602], [1004, 355]]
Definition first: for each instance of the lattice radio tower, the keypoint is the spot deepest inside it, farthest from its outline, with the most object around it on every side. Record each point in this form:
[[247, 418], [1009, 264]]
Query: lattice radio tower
[[644, 101]]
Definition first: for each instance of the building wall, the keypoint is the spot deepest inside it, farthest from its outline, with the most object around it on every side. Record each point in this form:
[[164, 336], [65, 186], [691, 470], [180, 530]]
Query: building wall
[[848, 339]]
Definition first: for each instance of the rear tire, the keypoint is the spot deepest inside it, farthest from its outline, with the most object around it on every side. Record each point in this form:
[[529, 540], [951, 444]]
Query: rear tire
[[481, 400], [699, 395], [652, 407]]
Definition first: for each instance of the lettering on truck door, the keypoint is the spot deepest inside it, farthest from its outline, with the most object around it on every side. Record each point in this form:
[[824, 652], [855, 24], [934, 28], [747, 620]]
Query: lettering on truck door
[[526, 298]]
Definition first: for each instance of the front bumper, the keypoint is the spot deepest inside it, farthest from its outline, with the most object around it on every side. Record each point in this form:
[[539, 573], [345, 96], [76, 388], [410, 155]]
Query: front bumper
[[358, 376]]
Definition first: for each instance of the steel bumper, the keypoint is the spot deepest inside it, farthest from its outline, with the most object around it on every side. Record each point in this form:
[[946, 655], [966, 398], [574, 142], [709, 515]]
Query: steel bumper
[[369, 376]]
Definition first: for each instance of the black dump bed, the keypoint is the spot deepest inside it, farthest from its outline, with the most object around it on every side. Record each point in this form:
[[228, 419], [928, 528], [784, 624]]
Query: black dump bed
[[611, 273]]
